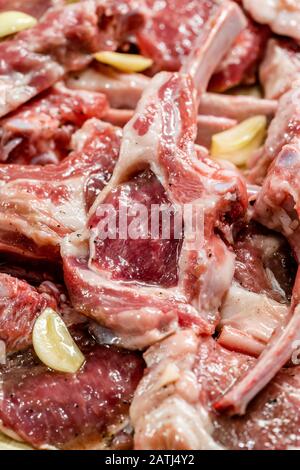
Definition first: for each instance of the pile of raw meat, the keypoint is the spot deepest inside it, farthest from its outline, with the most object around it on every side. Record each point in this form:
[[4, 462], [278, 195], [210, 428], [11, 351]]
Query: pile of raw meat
[[188, 343]]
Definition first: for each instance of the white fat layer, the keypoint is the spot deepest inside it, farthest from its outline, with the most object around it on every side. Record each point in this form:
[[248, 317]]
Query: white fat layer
[[251, 313]]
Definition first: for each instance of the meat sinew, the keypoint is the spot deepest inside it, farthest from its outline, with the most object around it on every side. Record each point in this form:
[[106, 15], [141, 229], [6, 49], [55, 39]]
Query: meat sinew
[[143, 288]]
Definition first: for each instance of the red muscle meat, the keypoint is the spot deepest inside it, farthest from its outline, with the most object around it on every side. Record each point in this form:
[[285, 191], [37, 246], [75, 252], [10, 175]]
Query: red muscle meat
[[21, 304], [112, 281], [40, 205], [62, 41], [240, 65], [172, 28], [40, 131], [272, 420], [78, 411], [260, 252]]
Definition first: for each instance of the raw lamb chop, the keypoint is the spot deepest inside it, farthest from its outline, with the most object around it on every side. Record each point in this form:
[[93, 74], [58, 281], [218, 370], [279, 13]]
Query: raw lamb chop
[[166, 412], [64, 40], [40, 205], [85, 410], [283, 16], [272, 420], [258, 301], [40, 131], [172, 28], [237, 107], [173, 407], [277, 207], [142, 289]]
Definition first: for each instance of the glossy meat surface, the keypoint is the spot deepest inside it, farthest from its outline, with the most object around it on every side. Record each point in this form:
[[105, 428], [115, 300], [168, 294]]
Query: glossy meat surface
[[283, 16], [46, 408], [161, 136], [40, 132], [62, 41], [136, 260], [40, 205]]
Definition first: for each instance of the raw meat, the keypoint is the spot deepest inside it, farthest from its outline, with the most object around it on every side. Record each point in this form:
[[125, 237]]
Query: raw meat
[[237, 107], [123, 90], [173, 407], [248, 320], [258, 301], [264, 262], [277, 206], [20, 305], [283, 16], [40, 205], [272, 420], [240, 65], [280, 68], [62, 41], [40, 131], [70, 411], [166, 411], [284, 130], [172, 28], [142, 288]]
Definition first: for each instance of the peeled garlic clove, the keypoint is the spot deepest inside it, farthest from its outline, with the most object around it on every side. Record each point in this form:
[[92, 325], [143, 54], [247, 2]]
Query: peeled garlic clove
[[238, 143], [124, 62], [12, 22], [54, 345]]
